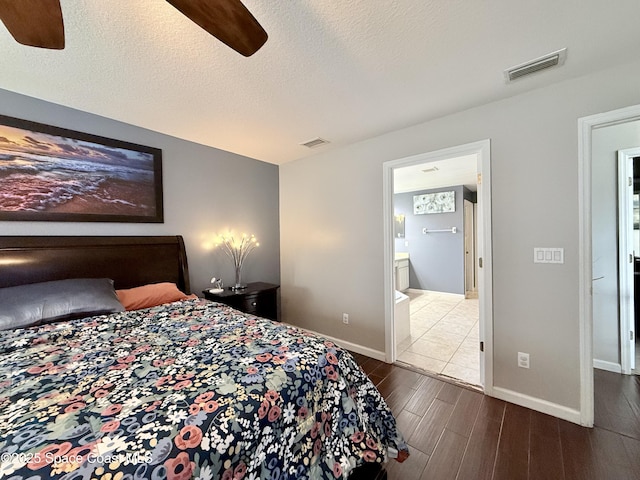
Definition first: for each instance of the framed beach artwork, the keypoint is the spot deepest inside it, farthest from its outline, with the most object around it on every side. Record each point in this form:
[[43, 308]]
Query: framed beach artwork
[[440, 202], [54, 174]]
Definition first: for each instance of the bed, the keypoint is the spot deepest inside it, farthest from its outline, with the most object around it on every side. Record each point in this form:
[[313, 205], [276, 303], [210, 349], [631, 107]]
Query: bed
[[187, 389]]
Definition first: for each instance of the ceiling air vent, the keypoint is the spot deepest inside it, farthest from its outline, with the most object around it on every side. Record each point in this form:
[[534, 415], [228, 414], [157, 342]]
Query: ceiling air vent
[[316, 142], [547, 61]]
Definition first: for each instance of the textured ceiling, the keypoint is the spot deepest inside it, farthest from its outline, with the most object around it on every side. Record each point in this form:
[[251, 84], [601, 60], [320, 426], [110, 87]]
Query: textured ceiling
[[341, 70]]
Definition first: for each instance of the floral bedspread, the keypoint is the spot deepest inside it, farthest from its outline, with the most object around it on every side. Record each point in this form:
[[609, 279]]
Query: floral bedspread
[[192, 389]]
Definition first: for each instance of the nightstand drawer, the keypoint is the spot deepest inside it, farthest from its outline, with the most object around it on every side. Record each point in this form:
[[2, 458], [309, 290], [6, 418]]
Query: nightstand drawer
[[250, 304]]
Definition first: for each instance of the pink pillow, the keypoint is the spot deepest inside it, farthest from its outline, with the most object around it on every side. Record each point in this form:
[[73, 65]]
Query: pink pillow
[[150, 295]]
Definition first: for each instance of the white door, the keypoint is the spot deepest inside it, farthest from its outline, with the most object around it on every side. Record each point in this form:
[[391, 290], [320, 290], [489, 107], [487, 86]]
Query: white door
[[469, 251]]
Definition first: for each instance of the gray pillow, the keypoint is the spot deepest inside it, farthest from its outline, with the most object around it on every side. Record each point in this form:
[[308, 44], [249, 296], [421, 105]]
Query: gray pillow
[[39, 303]]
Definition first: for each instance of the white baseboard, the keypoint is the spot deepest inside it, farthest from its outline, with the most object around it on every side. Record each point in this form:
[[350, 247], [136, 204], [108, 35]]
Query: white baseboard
[[608, 366], [560, 411], [354, 347]]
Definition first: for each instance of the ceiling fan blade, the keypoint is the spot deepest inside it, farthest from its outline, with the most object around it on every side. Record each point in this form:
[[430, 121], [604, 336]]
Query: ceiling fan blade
[[37, 23], [227, 20]]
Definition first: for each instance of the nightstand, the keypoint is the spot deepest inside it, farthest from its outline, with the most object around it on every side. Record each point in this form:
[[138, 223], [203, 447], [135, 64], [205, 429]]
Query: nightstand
[[259, 298]]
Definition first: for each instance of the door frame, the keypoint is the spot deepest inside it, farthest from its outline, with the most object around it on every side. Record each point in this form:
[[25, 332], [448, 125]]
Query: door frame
[[586, 125], [483, 254], [626, 258]]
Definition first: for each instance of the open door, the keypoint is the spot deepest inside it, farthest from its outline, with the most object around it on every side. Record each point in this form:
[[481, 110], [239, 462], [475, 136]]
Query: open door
[[628, 253], [482, 153], [470, 290]]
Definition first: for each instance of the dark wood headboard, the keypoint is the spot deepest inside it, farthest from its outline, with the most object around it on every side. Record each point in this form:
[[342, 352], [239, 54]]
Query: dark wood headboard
[[130, 261]]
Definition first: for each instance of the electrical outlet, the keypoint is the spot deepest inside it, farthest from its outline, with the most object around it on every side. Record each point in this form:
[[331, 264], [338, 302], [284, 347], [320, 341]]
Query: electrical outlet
[[523, 360], [345, 318]]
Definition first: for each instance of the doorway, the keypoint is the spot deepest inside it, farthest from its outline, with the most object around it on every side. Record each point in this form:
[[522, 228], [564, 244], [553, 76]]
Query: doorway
[[481, 251], [436, 325], [590, 263], [628, 255]]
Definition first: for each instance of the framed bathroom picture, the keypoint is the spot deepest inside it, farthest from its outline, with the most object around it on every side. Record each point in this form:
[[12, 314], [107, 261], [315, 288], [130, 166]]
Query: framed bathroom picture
[[49, 173], [440, 202]]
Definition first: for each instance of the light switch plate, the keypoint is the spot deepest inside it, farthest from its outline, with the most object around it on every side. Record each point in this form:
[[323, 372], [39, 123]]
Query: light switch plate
[[548, 255]]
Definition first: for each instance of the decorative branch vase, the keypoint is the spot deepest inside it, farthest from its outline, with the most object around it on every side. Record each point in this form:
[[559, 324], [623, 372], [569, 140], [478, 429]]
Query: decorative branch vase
[[237, 250], [239, 285]]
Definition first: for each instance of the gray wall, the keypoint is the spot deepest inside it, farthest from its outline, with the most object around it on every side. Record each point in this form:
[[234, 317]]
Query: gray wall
[[206, 191], [332, 228], [436, 260]]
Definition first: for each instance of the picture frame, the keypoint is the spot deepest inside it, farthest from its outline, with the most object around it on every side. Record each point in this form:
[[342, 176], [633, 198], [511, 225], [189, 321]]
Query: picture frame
[[49, 173], [439, 202]]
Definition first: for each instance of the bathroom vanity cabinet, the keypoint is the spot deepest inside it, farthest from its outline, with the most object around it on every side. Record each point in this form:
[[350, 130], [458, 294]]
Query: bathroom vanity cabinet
[[402, 272]]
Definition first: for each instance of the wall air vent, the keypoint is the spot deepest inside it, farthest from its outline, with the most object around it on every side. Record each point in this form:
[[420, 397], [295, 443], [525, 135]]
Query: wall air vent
[[316, 142], [547, 61], [430, 169]]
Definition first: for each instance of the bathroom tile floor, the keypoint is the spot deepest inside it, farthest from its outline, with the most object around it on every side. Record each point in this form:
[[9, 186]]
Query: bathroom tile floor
[[444, 335]]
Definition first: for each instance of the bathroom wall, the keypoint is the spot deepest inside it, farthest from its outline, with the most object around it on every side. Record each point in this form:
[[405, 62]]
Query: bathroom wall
[[436, 260]]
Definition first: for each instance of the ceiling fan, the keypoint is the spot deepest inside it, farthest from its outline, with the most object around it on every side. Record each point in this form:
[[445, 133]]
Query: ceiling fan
[[38, 23]]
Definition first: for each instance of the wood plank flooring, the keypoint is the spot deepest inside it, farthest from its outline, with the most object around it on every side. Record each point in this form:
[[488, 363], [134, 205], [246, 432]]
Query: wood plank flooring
[[459, 433], [617, 403]]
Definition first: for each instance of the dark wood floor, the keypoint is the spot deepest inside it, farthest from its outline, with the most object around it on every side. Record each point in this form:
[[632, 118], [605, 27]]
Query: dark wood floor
[[458, 433]]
